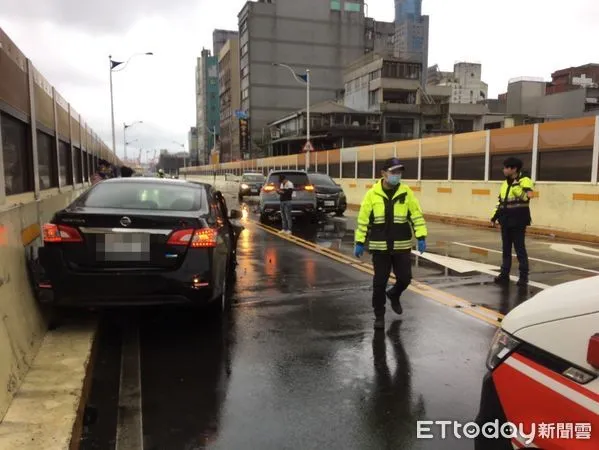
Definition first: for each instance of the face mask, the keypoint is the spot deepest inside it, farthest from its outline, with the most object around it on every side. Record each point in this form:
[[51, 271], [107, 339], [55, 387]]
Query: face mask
[[393, 180]]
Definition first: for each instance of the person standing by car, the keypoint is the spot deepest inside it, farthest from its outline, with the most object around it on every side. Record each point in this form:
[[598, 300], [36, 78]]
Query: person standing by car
[[285, 196], [391, 213], [513, 214]]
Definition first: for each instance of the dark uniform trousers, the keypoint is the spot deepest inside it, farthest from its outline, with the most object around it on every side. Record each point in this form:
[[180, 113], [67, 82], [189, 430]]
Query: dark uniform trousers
[[514, 236], [383, 262]]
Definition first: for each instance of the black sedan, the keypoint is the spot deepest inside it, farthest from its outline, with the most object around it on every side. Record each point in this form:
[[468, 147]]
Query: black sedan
[[141, 241], [329, 195]]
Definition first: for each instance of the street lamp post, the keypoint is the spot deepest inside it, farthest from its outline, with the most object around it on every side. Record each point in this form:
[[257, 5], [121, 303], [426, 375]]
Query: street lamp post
[[113, 65], [300, 79], [125, 126]]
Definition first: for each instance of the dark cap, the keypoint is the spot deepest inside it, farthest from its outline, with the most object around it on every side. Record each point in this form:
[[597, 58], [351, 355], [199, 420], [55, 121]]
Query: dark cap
[[513, 162], [393, 164]]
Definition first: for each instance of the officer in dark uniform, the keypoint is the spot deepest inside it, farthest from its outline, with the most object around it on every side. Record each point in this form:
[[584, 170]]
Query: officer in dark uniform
[[513, 214]]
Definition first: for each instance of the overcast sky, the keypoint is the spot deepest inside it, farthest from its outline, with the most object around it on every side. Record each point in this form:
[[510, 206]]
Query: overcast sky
[[69, 42]]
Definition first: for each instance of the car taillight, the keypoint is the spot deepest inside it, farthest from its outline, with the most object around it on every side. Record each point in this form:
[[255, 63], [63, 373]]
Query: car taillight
[[202, 238], [308, 187], [268, 188], [593, 351], [60, 233]]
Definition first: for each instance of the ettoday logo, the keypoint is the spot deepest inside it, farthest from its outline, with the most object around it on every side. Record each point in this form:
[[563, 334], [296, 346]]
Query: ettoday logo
[[494, 430]]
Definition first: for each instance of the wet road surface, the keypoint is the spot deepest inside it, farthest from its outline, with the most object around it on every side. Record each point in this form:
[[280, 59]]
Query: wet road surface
[[297, 364]]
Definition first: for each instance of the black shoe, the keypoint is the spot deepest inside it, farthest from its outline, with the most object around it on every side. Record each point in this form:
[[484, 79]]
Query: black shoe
[[502, 279], [522, 282], [395, 303], [379, 323]]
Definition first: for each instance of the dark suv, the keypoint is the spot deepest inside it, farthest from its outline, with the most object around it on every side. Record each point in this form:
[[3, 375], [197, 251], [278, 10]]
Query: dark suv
[[304, 196], [329, 195]]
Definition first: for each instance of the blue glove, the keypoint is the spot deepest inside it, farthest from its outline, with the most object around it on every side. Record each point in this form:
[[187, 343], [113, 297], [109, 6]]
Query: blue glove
[[358, 250], [421, 245]]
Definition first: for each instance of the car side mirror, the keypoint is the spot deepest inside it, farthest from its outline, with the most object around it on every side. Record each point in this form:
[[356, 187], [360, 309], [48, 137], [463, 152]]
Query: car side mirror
[[235, 214]]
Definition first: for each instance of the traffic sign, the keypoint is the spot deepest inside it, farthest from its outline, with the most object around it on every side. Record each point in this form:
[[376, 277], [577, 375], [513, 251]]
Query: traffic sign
[[308, 147]]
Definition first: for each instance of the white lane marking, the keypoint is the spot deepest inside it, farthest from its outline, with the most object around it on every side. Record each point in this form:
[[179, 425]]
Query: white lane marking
[[464, 265], [129, 432], [559, 388], [573, 250], [582, 269]]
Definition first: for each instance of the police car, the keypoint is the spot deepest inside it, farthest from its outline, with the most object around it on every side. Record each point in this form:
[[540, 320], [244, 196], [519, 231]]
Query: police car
[[542, 387]]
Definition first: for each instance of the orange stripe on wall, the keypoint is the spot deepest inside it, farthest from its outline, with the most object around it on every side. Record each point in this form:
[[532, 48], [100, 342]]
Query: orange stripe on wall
[[353, 185], [30, 234], [368, 186], [442, 190], [415, 188], [586, 197], [481, 192]]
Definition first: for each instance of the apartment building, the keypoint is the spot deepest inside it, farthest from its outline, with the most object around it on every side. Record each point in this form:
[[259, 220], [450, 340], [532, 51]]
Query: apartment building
[[230, 101], [321, 35]]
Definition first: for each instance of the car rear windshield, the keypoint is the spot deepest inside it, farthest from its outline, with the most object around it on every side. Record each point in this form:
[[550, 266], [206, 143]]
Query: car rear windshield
[[298, 179], [319, 179], [152, 196], [254, 178]]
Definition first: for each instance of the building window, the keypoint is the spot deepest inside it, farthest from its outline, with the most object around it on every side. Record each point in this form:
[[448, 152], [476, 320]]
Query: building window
[[85, 166], [16, 156], [471, 167], [372, 98], [435, 168], [245, 94], [46, 154], [78, 168], [565, 165], [496, 169], [352, 7], [66, 165]]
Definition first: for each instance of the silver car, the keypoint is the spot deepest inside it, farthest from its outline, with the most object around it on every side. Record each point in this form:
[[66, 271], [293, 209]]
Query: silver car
[[303, 200]]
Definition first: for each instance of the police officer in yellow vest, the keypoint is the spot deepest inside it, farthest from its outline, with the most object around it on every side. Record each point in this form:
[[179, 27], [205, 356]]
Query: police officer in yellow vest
[[513, 214], [390, 216]]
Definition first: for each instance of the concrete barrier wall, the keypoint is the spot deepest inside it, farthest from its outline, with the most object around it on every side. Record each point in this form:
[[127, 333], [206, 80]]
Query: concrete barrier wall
[[22, 323], [473, 202]]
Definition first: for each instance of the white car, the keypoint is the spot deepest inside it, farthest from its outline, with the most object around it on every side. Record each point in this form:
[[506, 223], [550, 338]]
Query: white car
[[542, 388]]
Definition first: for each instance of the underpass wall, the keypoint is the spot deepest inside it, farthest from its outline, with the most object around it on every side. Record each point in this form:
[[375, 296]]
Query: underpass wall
[[567, 210], [48, 154], [22, 322]]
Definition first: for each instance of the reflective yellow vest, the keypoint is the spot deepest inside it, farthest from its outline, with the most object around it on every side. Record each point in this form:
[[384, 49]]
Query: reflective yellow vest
[[513, 205], [390, 221]]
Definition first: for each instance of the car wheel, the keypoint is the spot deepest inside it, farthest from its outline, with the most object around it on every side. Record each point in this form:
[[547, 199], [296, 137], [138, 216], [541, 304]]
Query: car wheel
[[223, 303], [240, 198], [263, 218]]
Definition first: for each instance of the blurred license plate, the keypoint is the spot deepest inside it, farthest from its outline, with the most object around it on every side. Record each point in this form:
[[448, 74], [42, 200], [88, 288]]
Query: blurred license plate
[[124, 247], [329, 203], [254, 191]]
